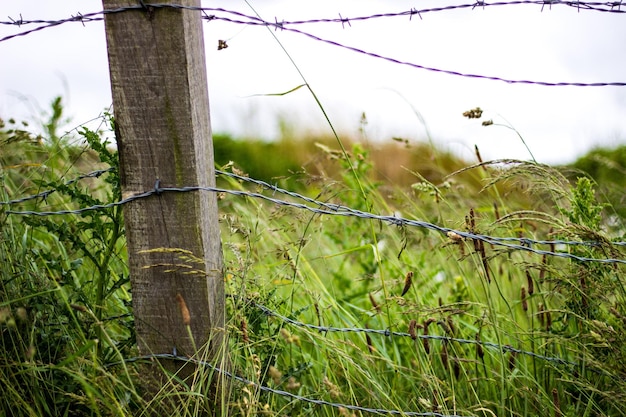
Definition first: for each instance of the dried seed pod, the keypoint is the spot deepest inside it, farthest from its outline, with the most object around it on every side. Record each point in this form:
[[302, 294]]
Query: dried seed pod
[[184, 311], [477, 152], [275, 374], [451, 326], [292, 384], [408, 280], [556, 402], [541, 314], [479, 347], [454, 237], [374, 303], [412, 329], [544, 263], [512, 360], [531, 286], [221, 44], [317, 312], [370, 346], [483, 256], [524, 301], [444, 355], [548, 321], [78, 307], [475, 113], [472, 222], [445, 327], [244, 331], [583, 293], [425, 340]]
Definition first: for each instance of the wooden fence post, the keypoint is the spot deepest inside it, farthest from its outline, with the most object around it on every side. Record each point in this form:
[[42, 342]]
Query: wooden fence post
[[161, 108]]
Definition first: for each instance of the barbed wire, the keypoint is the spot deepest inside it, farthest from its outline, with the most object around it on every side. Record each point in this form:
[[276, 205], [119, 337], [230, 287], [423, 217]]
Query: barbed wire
[[388, 333], [337, 207], [282, 26], [613, 7], [607, 7], [245, 381], [331, 209], [330, 206], [45, 194]]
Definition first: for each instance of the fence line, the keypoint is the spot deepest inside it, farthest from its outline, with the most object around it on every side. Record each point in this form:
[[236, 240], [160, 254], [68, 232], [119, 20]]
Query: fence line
[[325, 329], [44, 194], [388, 333], [282, 393], [606, 7], [612, 7], [523, 244], [324, 208]]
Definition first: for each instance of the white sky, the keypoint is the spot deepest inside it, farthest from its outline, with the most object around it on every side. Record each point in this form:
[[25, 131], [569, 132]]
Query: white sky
[[515, 42]]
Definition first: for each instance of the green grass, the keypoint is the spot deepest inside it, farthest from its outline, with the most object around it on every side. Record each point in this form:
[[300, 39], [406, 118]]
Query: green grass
[[68, 345]]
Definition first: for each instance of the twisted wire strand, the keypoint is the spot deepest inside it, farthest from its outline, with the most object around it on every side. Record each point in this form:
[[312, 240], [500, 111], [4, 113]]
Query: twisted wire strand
[[607, 7], [245, 381], [282, 26], [44, 194], [330, 206], [338, 207], [393, 220], [613, 7], [388, 333]]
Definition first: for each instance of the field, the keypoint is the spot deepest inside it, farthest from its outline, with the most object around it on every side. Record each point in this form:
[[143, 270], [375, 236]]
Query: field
[[345, 312]]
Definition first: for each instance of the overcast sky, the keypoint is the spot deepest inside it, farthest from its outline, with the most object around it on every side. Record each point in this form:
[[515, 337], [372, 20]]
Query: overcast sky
[[558, 44]]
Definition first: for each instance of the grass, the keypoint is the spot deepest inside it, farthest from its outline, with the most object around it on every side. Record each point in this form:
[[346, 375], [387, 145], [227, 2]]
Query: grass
[[489, 330]]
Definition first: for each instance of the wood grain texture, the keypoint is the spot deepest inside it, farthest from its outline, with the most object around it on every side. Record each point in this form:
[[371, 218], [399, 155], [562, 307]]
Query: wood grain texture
[[161, 107]]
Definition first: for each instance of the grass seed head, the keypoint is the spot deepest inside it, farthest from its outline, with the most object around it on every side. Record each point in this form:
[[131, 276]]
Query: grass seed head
[[184, 311], [413, 326], [425, 340], [542, 272], [556, 402], [454, 237], [275, 374], [78, 307], [477, 152], [374, 303], [408, 280], [548, 321], [531, 285], [444, 355], [479, 347], [475, 113], [512, 360], [244, 331], [370, 346]]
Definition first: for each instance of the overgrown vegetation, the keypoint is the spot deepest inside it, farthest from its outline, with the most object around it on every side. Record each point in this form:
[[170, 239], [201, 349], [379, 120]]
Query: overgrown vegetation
[[474, 328]]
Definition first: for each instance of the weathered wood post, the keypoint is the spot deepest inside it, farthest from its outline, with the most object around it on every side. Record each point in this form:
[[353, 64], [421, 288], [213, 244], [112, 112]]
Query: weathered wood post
[[161, 108]]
